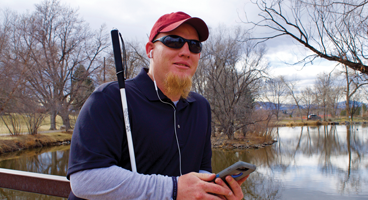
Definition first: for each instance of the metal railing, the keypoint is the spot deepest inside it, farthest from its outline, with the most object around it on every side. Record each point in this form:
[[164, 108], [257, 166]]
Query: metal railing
[[34, 182]]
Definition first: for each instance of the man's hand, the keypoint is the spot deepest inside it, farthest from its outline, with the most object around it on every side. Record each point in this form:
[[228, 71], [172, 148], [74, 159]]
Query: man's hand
[[199, 186], [237, 192]]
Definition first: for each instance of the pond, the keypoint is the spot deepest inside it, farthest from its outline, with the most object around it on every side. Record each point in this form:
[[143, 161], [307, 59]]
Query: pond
[[325, 162], [47, 160]]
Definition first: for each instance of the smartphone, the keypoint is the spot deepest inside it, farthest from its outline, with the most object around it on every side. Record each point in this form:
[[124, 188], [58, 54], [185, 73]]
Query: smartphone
[[237, 170]]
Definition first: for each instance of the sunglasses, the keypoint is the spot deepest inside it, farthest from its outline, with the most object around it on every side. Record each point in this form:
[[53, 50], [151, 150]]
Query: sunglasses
[[177, 42]]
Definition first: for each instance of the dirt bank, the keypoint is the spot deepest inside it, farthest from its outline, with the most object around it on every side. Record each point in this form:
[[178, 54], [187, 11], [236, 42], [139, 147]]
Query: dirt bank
[[17, 143], [251, 141]]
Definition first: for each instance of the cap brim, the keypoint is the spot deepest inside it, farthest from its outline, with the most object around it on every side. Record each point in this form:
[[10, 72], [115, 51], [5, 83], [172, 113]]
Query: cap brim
[[197, 23]]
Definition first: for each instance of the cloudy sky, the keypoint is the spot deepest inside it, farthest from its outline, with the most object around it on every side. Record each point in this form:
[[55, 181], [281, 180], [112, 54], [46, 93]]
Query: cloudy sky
[[134, 19]]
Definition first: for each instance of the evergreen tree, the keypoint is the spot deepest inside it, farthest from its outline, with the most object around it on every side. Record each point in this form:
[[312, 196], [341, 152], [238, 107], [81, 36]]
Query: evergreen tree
[[82, 83]]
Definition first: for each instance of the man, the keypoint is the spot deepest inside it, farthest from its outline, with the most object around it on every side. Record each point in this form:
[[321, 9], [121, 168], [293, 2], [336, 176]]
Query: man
[[171, 127]]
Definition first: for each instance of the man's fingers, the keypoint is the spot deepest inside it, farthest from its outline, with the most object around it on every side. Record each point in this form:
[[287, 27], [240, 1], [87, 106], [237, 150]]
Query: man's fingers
[[222, 183], [217, 189], [205, 177], [241, 181], [198, 186], [235, 187]]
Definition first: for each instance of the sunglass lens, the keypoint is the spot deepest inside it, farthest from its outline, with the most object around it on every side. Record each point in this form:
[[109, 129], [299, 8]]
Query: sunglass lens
[[178, 42], [195, 46], [174, 42]]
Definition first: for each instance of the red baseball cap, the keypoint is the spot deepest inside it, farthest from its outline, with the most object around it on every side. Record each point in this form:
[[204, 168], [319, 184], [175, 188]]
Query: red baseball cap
[[169, 22]]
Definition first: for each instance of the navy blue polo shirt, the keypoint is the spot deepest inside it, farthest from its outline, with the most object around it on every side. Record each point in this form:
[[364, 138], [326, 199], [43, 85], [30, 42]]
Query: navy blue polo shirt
[[99, 138]]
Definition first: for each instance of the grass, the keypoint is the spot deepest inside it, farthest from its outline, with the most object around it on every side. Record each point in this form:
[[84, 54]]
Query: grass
[[45, 125], [26, 141]]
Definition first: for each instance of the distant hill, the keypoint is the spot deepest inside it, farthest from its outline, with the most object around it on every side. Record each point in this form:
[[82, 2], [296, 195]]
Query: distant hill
[[270, 106], [343, 106]]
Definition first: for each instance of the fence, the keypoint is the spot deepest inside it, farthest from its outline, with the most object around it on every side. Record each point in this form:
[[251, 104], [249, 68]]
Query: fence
[[34, 182]]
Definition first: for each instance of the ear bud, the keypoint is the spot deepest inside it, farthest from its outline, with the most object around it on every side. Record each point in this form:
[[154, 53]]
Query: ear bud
[[150, 54]]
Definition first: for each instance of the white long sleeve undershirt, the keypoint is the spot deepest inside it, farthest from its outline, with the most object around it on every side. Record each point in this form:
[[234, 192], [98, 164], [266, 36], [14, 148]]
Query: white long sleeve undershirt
[[118, 183]]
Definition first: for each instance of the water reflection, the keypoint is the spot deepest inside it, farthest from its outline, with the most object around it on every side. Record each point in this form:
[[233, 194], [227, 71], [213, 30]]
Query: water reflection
[[258, 185], [329, 155], [325, 162], [52, 160]]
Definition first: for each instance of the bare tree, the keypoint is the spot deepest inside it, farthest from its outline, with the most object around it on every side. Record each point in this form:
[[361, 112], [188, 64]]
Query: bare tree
[[228, 75], [354, 81], [308, 99], [324, 90], [31, 111], [51, 42], [332, 30], [365, 99], [275, 92], [336, 94], [11, 79], [331, 86], [354, 105], [5, 71], [293, 92], [136, 59]]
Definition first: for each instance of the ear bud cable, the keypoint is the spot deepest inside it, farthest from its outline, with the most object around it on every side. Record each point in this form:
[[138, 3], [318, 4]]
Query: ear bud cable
[[176, 135]]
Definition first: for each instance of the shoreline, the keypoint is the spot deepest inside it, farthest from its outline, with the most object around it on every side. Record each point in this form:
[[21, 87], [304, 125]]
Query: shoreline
[[242, 146], [10, 143], [317, 123], [240, 142]]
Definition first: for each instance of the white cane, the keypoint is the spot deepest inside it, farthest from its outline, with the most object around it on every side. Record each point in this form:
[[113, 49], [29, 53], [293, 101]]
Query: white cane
[[121, 80]]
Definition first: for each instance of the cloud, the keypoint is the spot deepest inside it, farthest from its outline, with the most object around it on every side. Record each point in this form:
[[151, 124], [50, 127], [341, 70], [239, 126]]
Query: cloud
[[134, 19]]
